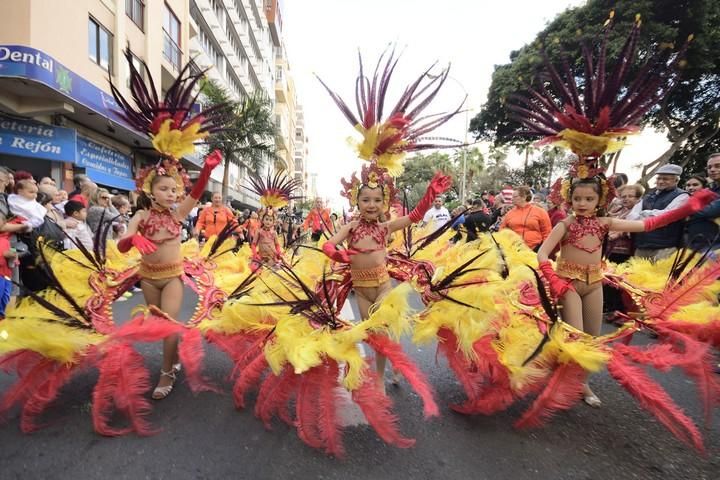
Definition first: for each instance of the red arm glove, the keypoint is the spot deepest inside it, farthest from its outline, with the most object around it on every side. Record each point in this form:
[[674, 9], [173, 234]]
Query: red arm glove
[[558, 285], [143, 245], [438, 185], [253, 249], [342, 256], [211, 161], [697, 202]]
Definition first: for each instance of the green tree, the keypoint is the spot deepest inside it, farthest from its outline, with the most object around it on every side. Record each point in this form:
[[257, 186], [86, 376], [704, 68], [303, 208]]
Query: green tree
[[474, 167], [419, 170], [495, 172], [249, 140], [690, 114]]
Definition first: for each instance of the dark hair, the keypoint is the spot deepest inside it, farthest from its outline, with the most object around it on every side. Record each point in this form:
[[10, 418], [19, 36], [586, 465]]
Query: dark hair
[[22, 184], [79, 179], [524, 190], [700, 178], [43, 198], [73, 206], [382, 190], [619, 179]]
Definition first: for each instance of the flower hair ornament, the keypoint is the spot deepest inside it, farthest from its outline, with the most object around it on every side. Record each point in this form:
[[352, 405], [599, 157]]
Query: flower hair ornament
[[592, 117], [387, 139], [371, 176], [170, 122]]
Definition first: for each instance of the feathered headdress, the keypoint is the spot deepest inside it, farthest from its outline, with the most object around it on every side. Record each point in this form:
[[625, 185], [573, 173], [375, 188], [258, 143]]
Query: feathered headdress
[[274, 191], [170, 123], [591, 118], [386, 140], [371, 176]]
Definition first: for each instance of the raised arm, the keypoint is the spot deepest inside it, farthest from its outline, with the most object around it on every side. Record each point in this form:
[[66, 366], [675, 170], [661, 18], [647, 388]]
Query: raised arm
[[211, 161]]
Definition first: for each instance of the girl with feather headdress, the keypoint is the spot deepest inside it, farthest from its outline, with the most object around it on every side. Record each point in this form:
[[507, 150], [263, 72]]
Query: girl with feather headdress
[[155, 232], [384, 145], [275, 193], [591, 125]]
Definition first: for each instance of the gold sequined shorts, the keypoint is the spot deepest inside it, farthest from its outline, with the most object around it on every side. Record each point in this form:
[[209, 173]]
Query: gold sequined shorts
[[369, 277], [160, 271], [578, 271]]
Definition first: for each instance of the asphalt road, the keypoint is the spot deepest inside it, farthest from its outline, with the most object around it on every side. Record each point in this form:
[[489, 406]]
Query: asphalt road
[[205, 437]]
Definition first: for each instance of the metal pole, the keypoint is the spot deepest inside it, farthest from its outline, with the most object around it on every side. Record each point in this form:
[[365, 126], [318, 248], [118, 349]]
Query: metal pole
[[464, 163]]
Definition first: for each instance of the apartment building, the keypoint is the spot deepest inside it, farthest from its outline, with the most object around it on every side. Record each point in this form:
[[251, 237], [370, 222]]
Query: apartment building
[[56, 57], [301, 150]]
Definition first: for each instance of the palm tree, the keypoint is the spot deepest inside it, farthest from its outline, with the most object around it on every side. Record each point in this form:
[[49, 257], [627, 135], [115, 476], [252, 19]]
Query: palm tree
[[249, 139]]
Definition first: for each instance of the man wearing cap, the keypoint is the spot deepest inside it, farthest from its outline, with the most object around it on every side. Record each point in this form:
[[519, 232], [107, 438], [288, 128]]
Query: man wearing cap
[[702, 228], [663, 242]]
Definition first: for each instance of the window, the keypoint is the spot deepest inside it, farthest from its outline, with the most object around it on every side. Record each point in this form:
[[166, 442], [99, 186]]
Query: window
[[171, 43], [139, 66], [100, 43], [135, 9]]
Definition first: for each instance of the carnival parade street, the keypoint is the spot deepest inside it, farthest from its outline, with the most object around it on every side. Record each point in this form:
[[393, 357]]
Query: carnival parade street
[[214, 440], [274, 239]]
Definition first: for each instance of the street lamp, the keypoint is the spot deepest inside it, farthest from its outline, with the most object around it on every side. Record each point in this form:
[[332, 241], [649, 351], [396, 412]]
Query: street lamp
[[463, 185]]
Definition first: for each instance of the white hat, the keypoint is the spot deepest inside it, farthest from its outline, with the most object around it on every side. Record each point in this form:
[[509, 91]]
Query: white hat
[[669, 169]]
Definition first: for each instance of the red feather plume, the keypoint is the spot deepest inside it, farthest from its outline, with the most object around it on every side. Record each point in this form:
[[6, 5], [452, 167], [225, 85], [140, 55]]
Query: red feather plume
[[123, 383], [655, 400], [403, 364], [563, 390], [377, 408]]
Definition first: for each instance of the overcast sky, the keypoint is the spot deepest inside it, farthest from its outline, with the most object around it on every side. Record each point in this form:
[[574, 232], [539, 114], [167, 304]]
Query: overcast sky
[[323, 37]]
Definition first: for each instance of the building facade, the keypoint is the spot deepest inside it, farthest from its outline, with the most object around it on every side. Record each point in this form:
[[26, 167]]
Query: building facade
[[56, 58], [232, 41], [301, 151]]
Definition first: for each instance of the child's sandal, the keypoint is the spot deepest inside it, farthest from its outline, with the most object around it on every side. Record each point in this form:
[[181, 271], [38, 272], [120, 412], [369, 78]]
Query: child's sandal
[[161, 392]]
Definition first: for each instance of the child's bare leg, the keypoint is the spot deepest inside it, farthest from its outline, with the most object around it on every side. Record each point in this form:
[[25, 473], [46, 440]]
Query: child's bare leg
[[364, 304], [592, 301], [171, 302], [572, 308], [154, 293]]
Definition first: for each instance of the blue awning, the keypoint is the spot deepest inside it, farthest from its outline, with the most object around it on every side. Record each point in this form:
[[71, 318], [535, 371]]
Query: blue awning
[[103, 178]]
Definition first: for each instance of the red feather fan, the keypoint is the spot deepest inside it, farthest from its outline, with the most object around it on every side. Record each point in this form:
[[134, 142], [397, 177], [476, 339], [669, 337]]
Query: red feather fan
[[655, 400], [377, 408], [249, 377], [276, 401], [563, 390], [459, 364], [191, 355], [123, 383], [400, 362], [44, 395]]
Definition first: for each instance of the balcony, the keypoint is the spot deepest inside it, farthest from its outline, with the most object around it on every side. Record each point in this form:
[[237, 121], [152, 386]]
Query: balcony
[[280, 85], [171, 51]]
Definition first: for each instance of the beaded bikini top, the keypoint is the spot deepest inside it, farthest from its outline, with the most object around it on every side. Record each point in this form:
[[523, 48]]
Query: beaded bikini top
[[584, 227], [376, 231], [157, 220]]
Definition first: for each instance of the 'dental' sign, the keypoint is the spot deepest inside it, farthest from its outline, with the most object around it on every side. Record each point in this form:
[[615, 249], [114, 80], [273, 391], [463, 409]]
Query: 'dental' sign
[[26, 138]]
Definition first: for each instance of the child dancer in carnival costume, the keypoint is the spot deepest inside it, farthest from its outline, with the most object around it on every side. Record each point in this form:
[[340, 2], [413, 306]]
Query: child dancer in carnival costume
[[155, 232], [529, 348], [385, 143], [289, 320], [275, 193]]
